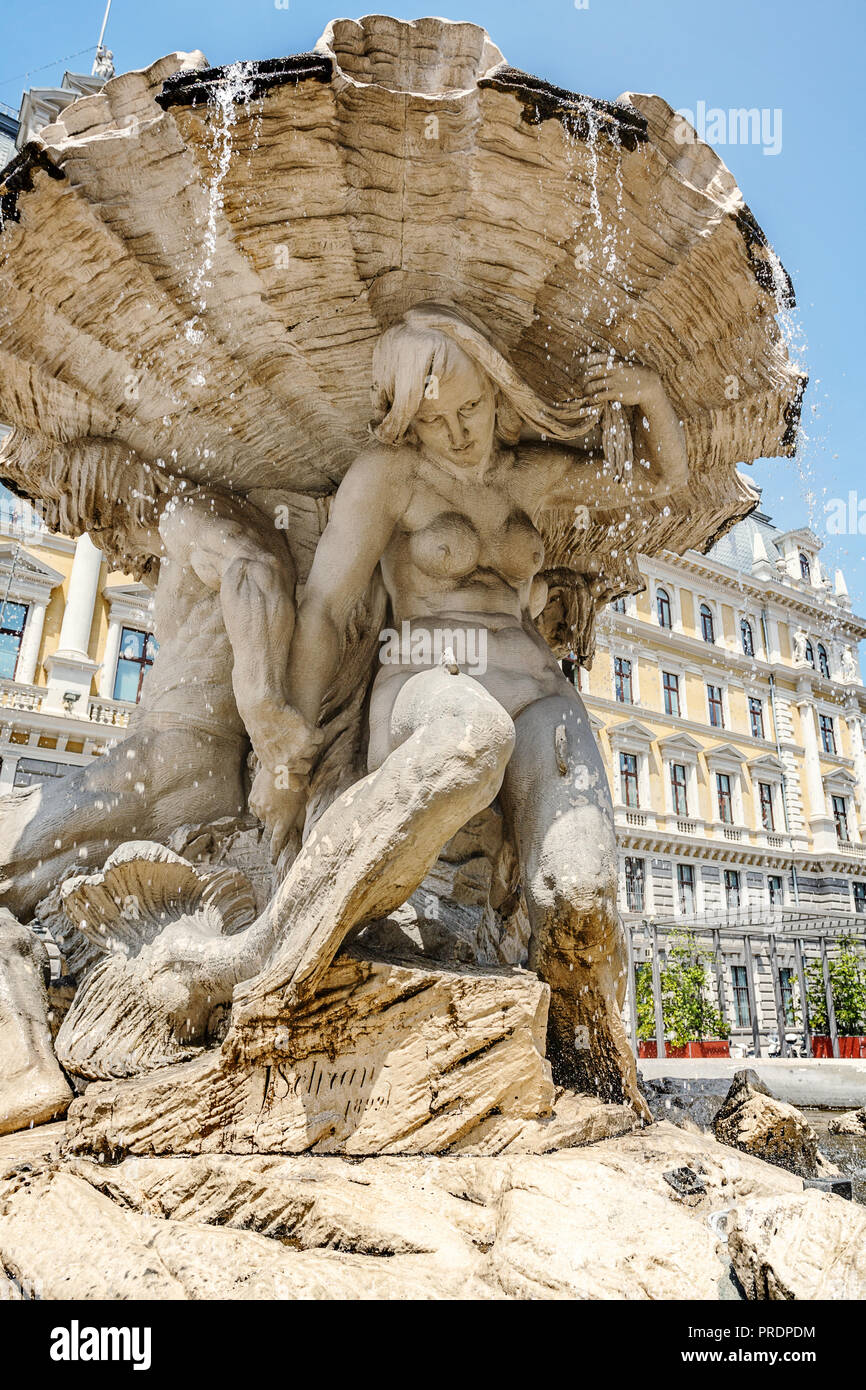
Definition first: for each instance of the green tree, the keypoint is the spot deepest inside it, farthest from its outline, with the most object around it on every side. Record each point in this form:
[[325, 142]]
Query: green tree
[[847, 971], [688, 1009]]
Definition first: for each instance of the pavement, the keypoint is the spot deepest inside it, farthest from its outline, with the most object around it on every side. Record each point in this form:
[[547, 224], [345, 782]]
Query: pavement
[[830, 1084]]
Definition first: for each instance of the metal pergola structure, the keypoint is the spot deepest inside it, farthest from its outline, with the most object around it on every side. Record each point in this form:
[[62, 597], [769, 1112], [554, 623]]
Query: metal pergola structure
[[807, 935]]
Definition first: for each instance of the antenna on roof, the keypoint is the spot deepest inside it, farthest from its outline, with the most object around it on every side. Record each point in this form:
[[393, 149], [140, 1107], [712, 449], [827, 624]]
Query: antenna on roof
[[103, 63]]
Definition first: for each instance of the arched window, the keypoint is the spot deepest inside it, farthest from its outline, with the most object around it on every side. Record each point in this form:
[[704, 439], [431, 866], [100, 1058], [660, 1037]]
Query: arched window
[[708, 631], [805, 568], [747, 637], [810, 655], [663, 604], [618, 605], [823, 661]]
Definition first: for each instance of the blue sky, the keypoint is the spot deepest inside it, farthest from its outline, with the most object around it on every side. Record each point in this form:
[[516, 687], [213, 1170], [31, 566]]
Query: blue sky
[[791, 56]]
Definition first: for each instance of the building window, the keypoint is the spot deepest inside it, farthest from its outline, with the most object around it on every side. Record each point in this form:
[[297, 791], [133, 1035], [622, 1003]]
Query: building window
[[810, 655], [786, 988], [756, 717], [840, 816], [622, 680], [634, 885], [137, 652], [31, 771], [732, 888], [726, 805], [686, 885], [628, 782], [823, 661], [765, 796], [716, 708], [13, 616], [747, 638], [707, 629], [679, 790], [775, 889], [828, 733], [663, 606], [805, 568], [671, 692], [742, 1010], [860, 897], [618, 605]]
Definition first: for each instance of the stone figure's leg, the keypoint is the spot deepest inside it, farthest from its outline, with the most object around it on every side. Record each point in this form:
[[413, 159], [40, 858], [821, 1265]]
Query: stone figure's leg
[[370, 850], [556, 799], [450, 743], [33, 1089], [148, 785]]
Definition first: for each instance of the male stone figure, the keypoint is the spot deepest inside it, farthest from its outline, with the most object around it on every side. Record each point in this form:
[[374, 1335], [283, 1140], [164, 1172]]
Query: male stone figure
[[224, 617]]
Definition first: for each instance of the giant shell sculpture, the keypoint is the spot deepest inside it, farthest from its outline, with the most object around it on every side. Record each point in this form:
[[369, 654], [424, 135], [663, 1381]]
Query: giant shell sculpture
[[195, 264]]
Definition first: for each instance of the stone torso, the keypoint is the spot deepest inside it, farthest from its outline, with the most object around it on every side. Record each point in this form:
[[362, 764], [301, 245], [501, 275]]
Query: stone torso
[[464, 545]]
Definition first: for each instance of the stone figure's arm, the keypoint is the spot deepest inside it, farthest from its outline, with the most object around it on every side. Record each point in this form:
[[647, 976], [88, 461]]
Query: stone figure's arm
[[562, 476], [364, 513], [238, 553]]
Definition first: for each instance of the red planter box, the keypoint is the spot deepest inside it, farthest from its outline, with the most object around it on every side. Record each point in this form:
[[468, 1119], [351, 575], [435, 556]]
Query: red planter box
[[708, 1047], [848, 1047]]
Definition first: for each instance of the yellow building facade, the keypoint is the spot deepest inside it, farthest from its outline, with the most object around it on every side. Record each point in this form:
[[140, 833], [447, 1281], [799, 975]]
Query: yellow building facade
[[729, 705], [75, 647]]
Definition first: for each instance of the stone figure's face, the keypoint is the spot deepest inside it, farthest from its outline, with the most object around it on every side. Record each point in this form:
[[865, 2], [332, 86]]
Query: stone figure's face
[[457, 418]]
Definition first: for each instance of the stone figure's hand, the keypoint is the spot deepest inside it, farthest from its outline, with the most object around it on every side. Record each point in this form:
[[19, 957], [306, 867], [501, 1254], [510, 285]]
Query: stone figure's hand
[[286, 746], [282, 738], [607, 379], [278, 799]]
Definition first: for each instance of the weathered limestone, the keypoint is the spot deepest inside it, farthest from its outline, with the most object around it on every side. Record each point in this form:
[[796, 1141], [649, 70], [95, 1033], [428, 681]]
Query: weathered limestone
[[598, 1222], [811, 1246], [389, 1057], [753, 1120]]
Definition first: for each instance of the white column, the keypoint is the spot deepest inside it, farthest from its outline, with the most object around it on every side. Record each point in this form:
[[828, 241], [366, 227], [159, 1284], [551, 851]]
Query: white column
[[80, 601], [822, 825], [30, 642], [109, 659], [70, 670]]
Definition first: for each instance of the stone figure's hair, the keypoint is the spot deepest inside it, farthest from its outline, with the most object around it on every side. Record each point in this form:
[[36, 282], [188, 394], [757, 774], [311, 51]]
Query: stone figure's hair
[[97, 485], [421, 346]]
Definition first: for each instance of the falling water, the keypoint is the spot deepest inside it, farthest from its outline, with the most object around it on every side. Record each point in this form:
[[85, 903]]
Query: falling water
[[234, 90]]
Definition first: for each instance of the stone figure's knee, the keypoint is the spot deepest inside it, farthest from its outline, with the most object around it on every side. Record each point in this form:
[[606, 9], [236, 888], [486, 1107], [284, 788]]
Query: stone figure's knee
[[459, 719], [483, 732]]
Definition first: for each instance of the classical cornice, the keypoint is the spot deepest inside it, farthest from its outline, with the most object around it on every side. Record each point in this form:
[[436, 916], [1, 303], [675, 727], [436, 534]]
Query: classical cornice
[[788, 596], [25, 577]]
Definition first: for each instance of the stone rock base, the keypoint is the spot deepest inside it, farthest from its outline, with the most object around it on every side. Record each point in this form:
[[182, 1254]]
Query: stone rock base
[[390, 1057], [753, 1120], [598, 1222]]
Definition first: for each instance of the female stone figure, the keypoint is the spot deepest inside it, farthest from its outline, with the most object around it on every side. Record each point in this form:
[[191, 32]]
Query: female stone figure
[[444, 501]]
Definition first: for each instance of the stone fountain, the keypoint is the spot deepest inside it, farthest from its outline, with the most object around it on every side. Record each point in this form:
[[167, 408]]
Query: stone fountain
[[380, 364]]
